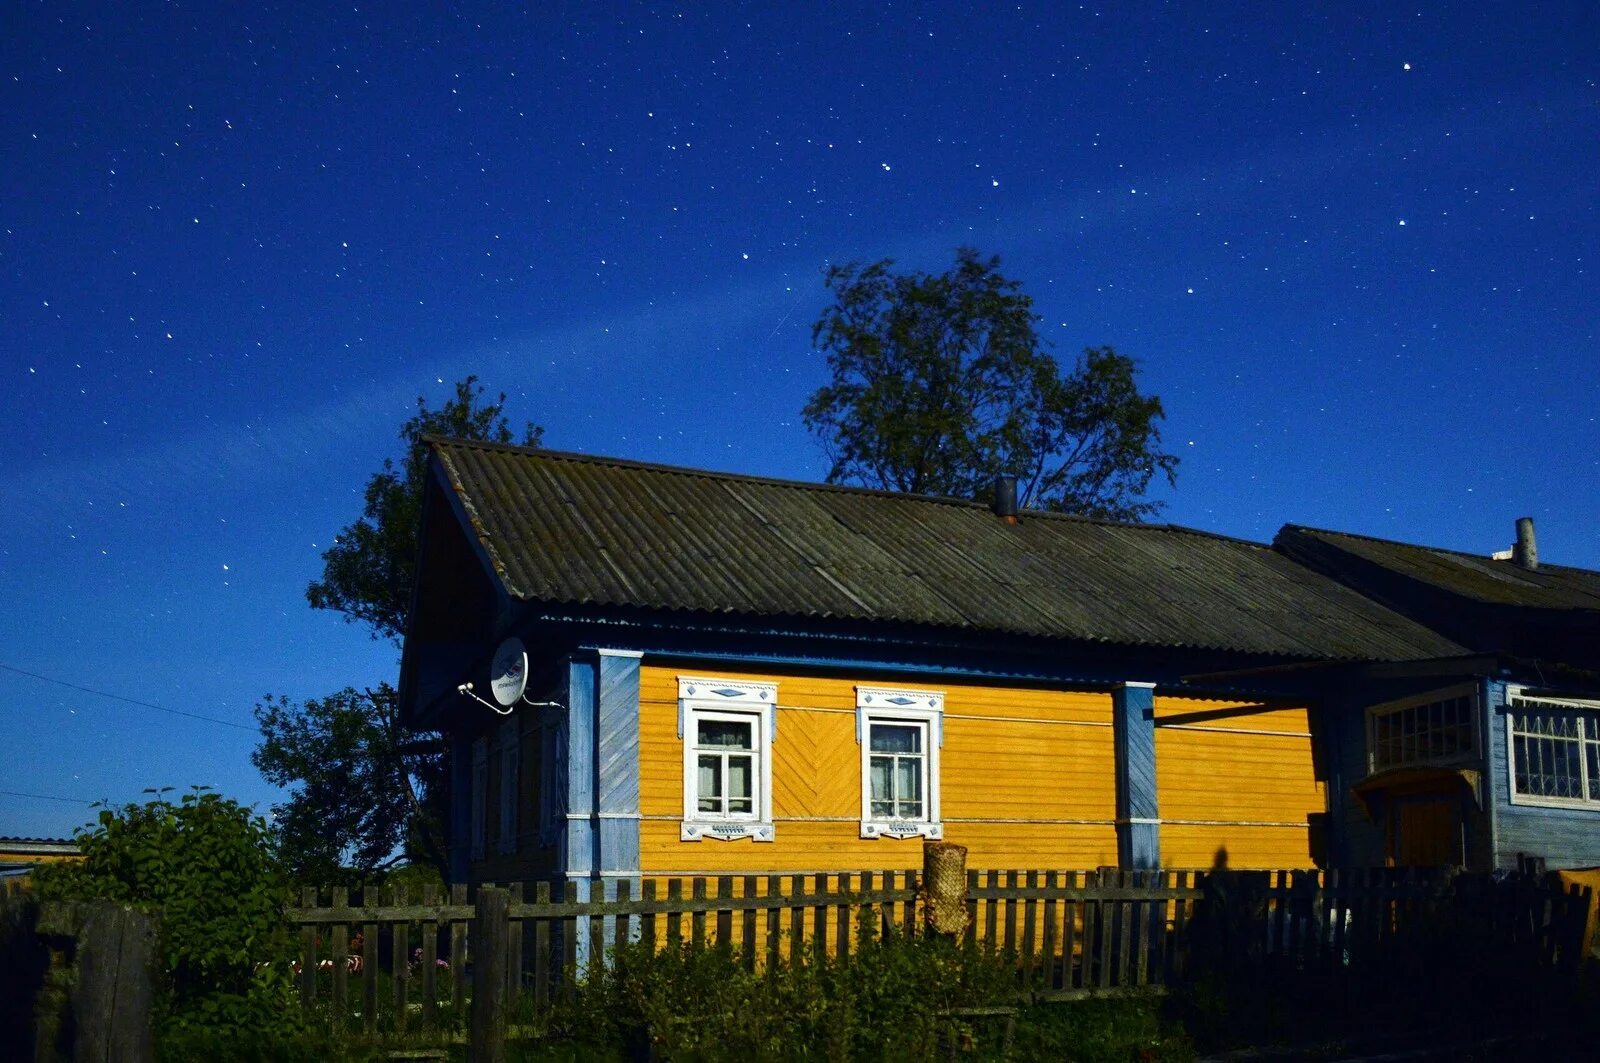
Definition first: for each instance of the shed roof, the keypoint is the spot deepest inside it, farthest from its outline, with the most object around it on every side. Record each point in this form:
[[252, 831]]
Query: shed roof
[[1471, 576], [572, 529]]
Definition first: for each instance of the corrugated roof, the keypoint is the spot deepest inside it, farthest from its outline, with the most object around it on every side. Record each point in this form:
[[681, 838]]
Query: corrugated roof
[[1471, 576], [573, 529]]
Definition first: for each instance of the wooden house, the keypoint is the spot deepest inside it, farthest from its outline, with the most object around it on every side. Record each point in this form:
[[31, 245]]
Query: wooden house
[[1483, 758], [728, 674]]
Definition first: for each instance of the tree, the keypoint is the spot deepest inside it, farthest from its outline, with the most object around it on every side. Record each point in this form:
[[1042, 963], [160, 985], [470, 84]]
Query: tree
[[941, 382], [360, 790], [210, 869]]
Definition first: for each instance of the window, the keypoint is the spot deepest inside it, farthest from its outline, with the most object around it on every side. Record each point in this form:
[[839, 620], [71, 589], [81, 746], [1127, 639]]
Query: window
[[900, 732], [727, 728], [506, 839], [480, 795], [1438, 727], [1555, 751]]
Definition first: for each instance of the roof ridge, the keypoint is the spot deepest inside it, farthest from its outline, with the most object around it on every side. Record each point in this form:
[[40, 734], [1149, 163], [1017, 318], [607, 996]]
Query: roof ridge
[[813, 485], [1424, 546]]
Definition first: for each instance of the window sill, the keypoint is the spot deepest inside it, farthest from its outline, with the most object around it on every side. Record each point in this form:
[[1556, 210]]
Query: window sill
[[724, 830], [902, 829], [1572, 804]]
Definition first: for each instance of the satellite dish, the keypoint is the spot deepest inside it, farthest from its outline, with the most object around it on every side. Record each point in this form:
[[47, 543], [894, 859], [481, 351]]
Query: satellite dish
[[509, 672]]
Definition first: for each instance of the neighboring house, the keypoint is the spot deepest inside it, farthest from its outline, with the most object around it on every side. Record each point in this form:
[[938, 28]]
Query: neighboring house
[[1492, 756], [18, 856], [729, 674]]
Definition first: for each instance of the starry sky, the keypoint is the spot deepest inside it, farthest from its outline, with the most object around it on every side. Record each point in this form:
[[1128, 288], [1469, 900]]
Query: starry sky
[[1352, 246]]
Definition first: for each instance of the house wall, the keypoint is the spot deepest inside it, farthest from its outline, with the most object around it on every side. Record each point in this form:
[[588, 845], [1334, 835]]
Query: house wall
[[1028, 780], [1234, 776], [1564, 837]]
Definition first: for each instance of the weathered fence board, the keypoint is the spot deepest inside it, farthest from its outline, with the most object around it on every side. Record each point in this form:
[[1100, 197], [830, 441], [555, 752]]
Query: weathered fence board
[[1067, 933]]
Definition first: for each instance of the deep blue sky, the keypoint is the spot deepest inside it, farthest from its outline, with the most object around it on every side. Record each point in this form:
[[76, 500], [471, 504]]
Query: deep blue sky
[[1353, 249]]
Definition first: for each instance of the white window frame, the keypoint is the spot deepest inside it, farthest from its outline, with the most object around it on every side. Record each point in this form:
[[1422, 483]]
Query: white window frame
[[510, 760], [480, 794], [1580, 705], [1465, 690], [711, 698], [895, 705]]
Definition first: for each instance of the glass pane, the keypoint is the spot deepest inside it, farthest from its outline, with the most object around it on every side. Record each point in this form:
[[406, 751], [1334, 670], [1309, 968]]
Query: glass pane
[[896, 738], [1594, 770], [908, 779], [710, 784], [724, 734], [741, 775], [881, 785], [883, 810], [910, 809]]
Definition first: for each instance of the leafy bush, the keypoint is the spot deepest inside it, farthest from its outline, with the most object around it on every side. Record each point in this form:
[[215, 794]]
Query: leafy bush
[[206, 868]]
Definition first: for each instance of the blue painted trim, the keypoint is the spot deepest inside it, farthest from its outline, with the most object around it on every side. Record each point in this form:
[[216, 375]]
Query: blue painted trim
[[617, 763], [1133, 725], [578, 849]]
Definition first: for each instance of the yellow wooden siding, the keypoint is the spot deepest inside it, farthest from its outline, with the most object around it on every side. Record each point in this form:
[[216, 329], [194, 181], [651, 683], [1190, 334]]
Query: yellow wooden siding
[[1235, 777], [1009, 755]]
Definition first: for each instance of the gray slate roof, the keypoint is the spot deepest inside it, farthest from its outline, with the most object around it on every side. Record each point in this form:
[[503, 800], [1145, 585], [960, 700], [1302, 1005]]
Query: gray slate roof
[[576, 530], [1470, 576]]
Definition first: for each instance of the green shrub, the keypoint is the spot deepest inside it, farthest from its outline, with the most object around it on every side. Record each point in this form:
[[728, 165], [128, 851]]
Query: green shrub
[[206, 868]]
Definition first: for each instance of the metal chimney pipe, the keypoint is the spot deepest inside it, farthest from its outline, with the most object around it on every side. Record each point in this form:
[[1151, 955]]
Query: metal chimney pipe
[[1526, 553], [1005, 498]]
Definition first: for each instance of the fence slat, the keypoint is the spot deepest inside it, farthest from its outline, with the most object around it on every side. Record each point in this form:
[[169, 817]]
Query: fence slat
[[674, 920], [797, 920], [458, 954], [819, 920], [991, 920], [866, 920], [399, 960], [647, 922], [1069, 932], [430, 961], [308, 953], [841, 934], [624, 927], [697, 919], [774, 925], [515, 893], [748, 917], [541, 948], [570, 928], [725, 915], [341, 962], [1047, 978], [1107, 957], [1030, 911], [369, 975]]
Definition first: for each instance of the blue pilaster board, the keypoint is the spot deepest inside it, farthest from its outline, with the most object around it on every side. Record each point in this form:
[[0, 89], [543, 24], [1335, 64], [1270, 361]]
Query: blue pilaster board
[[579, 843], [1138, 814], [617, 761]]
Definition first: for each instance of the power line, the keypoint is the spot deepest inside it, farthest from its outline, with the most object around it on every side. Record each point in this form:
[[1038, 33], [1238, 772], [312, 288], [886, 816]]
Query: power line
[[46, 797], [119, 697]]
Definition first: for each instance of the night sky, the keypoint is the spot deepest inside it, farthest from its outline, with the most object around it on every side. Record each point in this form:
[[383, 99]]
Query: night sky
[[1353, 250]]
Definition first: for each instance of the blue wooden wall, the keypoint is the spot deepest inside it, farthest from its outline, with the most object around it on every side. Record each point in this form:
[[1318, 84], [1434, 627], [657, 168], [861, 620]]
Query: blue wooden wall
[[1564, 837]]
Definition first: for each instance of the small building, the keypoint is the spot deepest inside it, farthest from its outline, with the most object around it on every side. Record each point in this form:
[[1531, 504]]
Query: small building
[[18, 856], [1483, 759], [716, 674]]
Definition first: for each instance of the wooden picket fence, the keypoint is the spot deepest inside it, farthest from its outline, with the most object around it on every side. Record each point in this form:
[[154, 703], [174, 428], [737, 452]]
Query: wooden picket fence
[[414, 962]]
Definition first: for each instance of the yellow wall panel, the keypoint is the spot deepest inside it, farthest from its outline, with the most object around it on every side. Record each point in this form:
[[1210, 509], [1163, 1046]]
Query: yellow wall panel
[[1028, 780]]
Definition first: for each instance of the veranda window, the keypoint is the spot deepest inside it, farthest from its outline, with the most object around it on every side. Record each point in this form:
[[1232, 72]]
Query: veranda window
[[1424, 730], [1555, 752]]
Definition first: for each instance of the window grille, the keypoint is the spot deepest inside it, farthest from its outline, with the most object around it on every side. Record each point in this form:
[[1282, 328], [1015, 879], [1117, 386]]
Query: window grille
[[1555, 751]]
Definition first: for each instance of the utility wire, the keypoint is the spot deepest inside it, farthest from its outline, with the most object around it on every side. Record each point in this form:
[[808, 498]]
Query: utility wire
[[119, 697], [46, 797]]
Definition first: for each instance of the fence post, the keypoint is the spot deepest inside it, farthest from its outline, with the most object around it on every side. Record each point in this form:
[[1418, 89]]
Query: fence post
[[491, 947], [111, 1005]]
